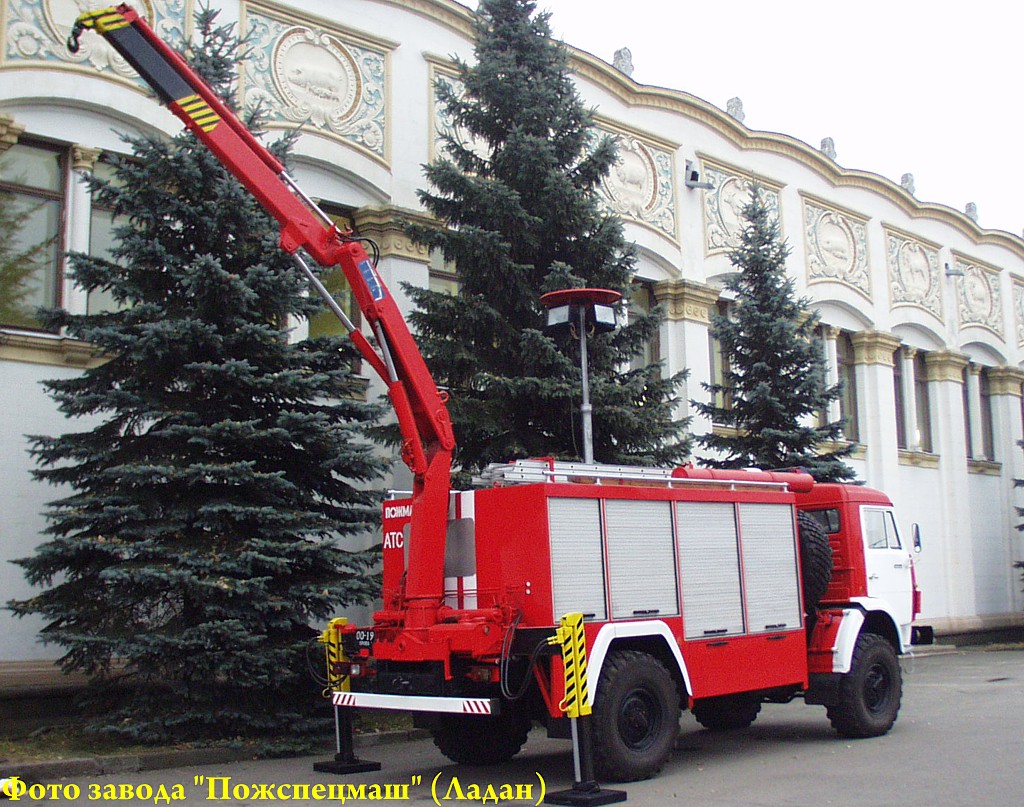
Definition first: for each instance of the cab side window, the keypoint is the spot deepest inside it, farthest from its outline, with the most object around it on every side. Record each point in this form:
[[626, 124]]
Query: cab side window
[[879, 529], [892, 535]]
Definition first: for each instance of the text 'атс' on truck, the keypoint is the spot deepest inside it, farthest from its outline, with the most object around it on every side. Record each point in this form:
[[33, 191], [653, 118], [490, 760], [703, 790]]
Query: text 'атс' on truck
[[713, 591]]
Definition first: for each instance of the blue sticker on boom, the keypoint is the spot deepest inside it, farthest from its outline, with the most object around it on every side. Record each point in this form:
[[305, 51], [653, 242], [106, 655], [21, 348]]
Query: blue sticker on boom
[[372, 281]]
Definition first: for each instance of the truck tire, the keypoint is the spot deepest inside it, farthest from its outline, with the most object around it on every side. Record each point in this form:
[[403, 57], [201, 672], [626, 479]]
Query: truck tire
[[815, 561], [636, 717], [726, 713], [480, 739], [867, 699]]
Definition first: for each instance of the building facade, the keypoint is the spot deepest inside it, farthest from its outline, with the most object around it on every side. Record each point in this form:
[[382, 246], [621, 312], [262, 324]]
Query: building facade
[[922, 309]]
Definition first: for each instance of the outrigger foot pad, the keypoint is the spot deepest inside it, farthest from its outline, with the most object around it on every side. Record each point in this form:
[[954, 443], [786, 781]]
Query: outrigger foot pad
[[342, 764]]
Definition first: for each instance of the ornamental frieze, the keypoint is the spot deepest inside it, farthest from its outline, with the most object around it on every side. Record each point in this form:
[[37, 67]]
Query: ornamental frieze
[[914, 275], [332, 83], [978, 296], [37, 33], [445, 129], [837, 249], [1018, 310], [724, 203], [641, 184]]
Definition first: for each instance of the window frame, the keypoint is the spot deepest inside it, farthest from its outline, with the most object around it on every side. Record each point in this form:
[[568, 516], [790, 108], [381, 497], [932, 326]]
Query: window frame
[[846, 369], [56, 264]]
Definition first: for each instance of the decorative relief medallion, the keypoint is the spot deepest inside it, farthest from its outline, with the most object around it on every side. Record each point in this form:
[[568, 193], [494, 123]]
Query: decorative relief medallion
[[979, 298], [1018, 310], [837, 248], [445, 128], [316, 76], [913, 273], [723, 207], [331, 83], [641, 184], [37, 32]]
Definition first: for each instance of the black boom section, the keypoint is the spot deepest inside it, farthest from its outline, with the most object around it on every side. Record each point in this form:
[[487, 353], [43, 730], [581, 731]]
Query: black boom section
[[148, 63]]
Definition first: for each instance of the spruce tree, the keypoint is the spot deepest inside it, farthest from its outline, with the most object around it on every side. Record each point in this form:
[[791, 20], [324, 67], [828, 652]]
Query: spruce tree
[[517, 192], [774, 375], [219, 465]]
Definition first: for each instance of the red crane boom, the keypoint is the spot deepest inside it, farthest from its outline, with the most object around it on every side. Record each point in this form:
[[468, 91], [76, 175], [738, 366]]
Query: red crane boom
[[427, 438]]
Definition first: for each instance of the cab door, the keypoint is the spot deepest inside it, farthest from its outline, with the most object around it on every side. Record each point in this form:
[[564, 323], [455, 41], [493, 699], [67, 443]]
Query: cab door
[[887, 564]]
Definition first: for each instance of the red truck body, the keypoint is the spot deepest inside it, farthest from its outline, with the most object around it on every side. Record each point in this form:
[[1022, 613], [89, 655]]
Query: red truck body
[[715, 591]]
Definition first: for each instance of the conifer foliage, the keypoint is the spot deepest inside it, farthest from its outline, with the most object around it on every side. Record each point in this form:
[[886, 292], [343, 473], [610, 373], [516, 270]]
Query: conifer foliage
[[218, 464], [774, 378], [517, 189]]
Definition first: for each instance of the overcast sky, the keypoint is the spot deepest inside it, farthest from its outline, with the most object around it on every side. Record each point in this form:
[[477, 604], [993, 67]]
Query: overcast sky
[[930, 88]]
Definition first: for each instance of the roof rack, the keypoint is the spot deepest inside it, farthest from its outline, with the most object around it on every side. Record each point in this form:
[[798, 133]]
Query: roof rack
[[534, 471]]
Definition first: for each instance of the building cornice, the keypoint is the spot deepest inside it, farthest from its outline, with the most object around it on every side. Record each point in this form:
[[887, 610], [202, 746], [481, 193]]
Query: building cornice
[[386, 226], [946, 365], [686, 300], [1005, 381], [918, 459], [874, 347], [10, 131], [84, 158], [459, 18], [58, 351], [637, 95]]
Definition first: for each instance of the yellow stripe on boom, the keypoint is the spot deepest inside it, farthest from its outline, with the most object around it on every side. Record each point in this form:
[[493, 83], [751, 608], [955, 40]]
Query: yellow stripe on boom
[[103, 20], [110, 22], [200, 112]]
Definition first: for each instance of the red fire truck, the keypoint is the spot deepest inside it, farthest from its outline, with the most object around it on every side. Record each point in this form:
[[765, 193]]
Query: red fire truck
[[713, 591]]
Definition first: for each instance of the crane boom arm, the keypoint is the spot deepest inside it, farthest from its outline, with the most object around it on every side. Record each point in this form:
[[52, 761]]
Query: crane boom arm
[[427, 438]]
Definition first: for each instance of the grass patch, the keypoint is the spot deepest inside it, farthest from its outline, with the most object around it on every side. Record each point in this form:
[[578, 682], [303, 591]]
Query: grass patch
[[378, 721], [69, 740], [62, 742]]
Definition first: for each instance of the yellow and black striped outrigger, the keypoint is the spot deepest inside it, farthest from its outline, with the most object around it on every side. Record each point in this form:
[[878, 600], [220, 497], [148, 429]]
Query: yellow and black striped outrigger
[[570, 635], [116, 25]]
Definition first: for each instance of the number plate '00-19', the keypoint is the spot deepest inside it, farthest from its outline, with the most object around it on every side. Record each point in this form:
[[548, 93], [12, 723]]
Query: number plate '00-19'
[[365, 637]]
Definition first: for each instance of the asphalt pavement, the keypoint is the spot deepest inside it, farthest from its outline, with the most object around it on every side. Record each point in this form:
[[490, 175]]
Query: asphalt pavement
[[957, 742]]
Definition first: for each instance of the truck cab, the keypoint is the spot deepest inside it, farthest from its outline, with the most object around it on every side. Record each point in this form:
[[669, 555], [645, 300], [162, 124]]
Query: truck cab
[[872, 564]]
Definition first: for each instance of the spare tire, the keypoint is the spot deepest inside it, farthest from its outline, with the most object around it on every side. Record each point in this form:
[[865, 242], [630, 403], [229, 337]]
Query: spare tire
[[815, 561]]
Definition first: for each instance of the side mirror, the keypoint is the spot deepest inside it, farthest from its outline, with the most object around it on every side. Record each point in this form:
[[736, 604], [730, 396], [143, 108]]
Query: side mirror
[[916, 532]]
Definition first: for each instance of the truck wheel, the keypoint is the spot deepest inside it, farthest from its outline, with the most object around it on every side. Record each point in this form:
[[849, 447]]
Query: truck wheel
[[815, 561], [868, 697], [726, 713], [481, 740], [636, 717]]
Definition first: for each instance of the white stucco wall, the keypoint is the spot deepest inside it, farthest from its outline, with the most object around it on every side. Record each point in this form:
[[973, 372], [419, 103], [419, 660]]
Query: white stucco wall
[[965, 510]]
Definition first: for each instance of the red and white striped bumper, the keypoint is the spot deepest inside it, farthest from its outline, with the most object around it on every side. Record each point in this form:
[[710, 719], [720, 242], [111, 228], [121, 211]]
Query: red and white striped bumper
[[418, 703]]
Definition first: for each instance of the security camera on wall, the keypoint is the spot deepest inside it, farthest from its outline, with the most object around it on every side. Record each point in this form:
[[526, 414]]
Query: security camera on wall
[[692, 177]]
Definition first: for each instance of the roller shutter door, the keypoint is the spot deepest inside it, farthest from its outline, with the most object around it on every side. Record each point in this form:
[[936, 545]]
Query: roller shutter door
[[577, 562], [641, 559], [709, 569], [770, 567]]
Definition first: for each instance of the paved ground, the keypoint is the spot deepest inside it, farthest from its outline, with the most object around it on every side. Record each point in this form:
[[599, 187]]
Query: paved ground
[[957, 742]]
